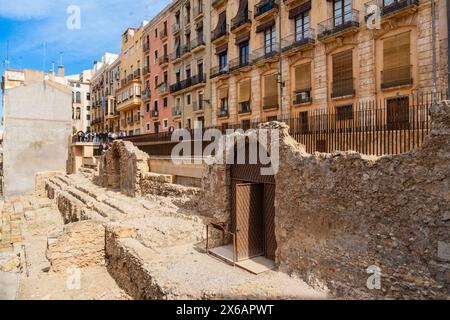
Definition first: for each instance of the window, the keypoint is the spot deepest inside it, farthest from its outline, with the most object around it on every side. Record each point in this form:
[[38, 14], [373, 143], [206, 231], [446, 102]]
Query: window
[[78, 97], [245, 125], [269, 40], [156, 126], [398, 113], [244, 54], [88, 117], [344, 113], [156, 82], [342, 11], [302, 26], [165, 124], [303, 121], [302, 90], [88, 96], [156, 33], [189, 123], [270, 91], [223, 61], [188, 99], [165, 102], [147, 107], [148, 126], [137, 91], [244, 96], [155, 105], [223, 96], [343, 74], [188, 72], [156, 56], [397, 61]]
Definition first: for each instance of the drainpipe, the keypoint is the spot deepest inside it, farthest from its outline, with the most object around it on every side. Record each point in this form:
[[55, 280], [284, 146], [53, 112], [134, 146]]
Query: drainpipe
[[280, 58], [433, 30], [448, 47]]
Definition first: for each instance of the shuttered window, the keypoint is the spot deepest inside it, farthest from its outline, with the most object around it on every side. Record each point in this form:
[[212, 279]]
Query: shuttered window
[[270, 91], [303, 77], [343, 74], [397, 60], [244, 91]]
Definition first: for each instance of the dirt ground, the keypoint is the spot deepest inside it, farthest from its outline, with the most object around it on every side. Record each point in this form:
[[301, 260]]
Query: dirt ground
[[38, 283]]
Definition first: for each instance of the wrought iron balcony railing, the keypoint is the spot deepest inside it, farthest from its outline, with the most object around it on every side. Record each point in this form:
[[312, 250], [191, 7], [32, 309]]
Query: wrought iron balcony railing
[[343, 87], [163, 88], [395, 77], [265, 6], [189, 82], [240, 62], [388, 7], [197, 43], [241, 19], [265, 52], [176, 111], [155, 114], [271, 102], [297, 40], [146, 46], [219, 70], [338, 24], [137, 73], [176, 28], [302, 96], [164, 33], [146, 70], [185, 49], [146, 94], [163, 59], [176, 54], [219, 32], [244, 107]]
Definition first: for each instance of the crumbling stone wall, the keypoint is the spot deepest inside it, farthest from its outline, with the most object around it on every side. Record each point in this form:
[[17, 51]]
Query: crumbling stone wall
[[338, 214], [122, 168]]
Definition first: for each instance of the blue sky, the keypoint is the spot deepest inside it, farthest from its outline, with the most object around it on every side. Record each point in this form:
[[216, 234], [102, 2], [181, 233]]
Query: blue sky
[[27, 24]]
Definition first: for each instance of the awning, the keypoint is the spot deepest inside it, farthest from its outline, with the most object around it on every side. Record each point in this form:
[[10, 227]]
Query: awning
[[221, 21], [300, 9], [244, 91], [264, 26], [223, 93]]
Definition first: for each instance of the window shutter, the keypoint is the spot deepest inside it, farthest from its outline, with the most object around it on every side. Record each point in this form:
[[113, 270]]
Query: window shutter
[[303, 77], [270, 85], [343, 66], [223, 93], [244, 91]]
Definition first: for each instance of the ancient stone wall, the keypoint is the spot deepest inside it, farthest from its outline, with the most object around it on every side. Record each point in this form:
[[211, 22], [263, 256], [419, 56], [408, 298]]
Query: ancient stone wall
[[122, 167], [339, 214]]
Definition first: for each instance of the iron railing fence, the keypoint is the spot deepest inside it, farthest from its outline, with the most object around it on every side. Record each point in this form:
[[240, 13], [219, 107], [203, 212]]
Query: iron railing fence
[[372, 127]]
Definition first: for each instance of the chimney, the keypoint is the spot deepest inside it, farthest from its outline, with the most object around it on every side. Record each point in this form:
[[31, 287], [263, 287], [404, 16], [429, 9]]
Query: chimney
[[60, 71]]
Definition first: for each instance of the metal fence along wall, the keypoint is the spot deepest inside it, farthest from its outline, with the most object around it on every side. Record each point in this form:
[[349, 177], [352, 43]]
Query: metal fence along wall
[[373, 127]]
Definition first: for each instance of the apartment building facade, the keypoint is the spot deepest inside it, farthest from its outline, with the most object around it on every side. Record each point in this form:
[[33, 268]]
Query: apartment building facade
[[81, 99], [330, 58], [190, 60], [129, 98], [157, 45], [103, 87]]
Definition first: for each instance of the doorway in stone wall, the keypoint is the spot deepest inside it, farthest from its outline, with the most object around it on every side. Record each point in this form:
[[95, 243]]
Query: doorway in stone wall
[[252, 219]]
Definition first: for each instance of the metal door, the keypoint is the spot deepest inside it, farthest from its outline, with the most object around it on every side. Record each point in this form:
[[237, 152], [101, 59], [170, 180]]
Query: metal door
[[249, 221]]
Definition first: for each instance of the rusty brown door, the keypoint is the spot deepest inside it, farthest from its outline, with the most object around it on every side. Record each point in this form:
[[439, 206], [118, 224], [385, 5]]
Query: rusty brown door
[[270, 242], [249, 221]]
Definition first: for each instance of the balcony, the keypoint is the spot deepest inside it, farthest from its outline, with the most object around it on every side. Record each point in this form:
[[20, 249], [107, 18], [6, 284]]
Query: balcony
[[176, 28], [146, 71], [395, 77], [155, 114], [244, 107], [218, 71], [265, 8], [217, 3], [343, 88], [302, 96], [294, 43], [176, 112], [197, 44], [146, 94], [239, 64], [198, 12], [176, 55], [266, 53], [394, 8], [223, 113], [271, 102], [345, 25], [163, 88], [187, 83], [163, 34], [197, 106], [137, 73], [242, 20], [146, 46], [186, 49], [164, 60], [220, 33], [137, 118]]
